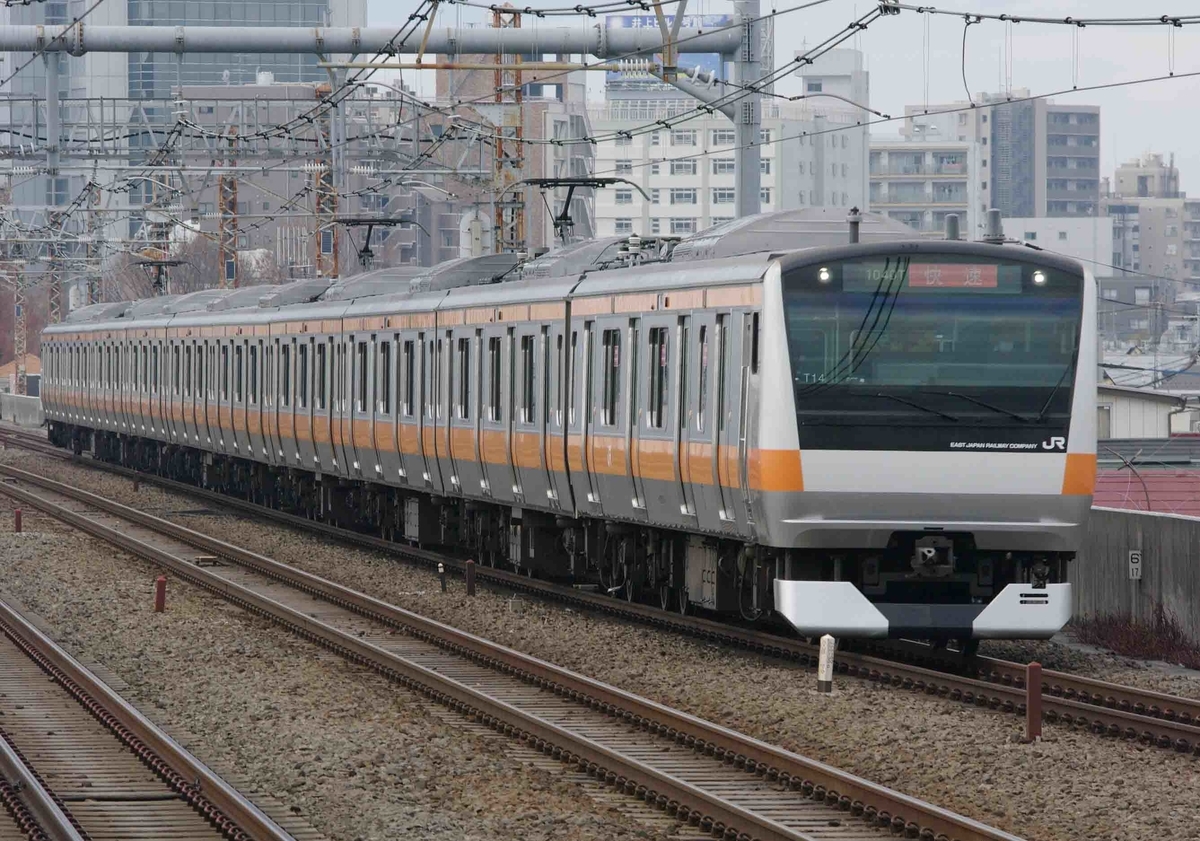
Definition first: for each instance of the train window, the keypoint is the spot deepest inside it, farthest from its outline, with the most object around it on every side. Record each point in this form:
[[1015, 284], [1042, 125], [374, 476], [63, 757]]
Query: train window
[[187, 371], [658, 377], [611, 384], [558, 382], [384, 386], [360, 401], [464, 379], [431, 385], [702, 394], [269, 375], [754, 343], [683, 375], [527, 398], [571, 386], [495, 355], [224, 372], [239, 373], [254, 373], [154, 372], [285, 374], [409, 378], [320, 363], [176, 369], [722, 342], [302, 374]]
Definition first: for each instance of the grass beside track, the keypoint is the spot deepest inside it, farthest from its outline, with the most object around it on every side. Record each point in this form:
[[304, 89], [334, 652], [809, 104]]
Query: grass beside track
[[1160, 637]]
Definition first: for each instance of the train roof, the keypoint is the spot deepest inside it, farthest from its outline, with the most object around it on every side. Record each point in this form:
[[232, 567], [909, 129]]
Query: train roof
[[784, 231]]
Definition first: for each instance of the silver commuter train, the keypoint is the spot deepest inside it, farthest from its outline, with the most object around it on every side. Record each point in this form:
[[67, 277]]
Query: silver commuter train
[[890, 438]]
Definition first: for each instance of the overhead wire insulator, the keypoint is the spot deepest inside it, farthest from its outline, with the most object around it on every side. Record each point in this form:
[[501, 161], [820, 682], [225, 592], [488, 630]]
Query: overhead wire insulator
[[635, 67]]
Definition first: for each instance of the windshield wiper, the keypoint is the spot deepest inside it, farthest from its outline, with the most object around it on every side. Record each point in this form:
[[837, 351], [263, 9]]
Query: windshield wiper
[[915, 405], [1053, 391], [983, 403]]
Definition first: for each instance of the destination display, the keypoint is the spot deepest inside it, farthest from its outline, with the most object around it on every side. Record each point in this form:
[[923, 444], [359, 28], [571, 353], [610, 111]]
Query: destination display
[[878, 275]]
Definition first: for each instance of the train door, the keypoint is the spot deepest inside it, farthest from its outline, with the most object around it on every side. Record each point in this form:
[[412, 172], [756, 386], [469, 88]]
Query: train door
[[445, 409], [305, 452], [529, 416], [608, 444], [699, 454], [254, 432], [558, 387], [657, 444], [339, 419], [240, 403], [430, 397], [358, 428], [581, 418], [495, 451], [287, 402], [387, 398], [409, 409], [463, 362], [732, 383], [323, 403], [270, 410]]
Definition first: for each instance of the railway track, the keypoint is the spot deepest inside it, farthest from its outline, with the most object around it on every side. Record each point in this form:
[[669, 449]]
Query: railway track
[[1108, 709], [79, 763], [718, 780]]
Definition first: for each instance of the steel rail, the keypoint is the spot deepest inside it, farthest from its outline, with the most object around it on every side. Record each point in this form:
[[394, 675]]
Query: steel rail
[[226, 808], [1166, 721], [879, 805], [36, 812]]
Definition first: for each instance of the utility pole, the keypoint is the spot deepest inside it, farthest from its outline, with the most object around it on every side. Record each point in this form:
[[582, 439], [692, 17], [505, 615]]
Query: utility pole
[[325, 199], [748, 121], [19, 328], [509, 213], [227, 192]]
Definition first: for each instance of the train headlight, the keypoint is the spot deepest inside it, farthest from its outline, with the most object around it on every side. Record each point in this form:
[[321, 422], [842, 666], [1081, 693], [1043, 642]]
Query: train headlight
[[823, 275], [1039, 278]]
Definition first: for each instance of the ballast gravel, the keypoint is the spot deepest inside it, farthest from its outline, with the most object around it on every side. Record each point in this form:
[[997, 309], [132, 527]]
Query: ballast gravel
[[1072, 785], [361, 759]]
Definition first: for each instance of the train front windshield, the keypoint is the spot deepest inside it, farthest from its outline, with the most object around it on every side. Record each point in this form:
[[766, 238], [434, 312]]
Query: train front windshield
[[933, 352]]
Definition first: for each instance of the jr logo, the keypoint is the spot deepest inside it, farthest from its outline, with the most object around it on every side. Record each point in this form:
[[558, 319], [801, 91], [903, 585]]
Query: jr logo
[[1055, 443]]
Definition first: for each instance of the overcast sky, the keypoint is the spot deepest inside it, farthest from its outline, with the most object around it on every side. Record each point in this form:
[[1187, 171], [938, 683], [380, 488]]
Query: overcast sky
[[1155, 116]]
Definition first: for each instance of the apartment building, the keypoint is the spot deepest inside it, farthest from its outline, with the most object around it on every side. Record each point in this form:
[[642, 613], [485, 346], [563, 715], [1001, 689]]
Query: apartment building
[[920, 182], [1147, 177], [1042, 158], [814, 153]]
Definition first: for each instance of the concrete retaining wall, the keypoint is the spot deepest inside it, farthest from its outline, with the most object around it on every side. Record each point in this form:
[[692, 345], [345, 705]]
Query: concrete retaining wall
[[1170, 547], [21, 410]]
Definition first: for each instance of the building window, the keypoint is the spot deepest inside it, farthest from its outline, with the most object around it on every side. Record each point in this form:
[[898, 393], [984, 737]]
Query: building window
[[1111, 295], [813, 86], [655, 225], [623, 226], [721, 220], [655, 138], [683, 137], [764, 166], [723, 166], [683, 195], [654, 196], [683, 167], [801, 167], [1141, 295], [764, 135], [723, 137], [624, 196], [723, 195], [1062, 235], [624, 167], [764, 195], [624, 140], [680, 227], [654, 167], [1031, 235]]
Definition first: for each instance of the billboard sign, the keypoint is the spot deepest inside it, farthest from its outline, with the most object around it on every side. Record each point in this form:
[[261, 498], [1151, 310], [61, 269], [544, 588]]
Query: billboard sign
[[709, 62]]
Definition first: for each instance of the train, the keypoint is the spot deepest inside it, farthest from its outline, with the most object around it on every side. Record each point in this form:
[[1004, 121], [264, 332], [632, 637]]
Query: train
[[886, 437]]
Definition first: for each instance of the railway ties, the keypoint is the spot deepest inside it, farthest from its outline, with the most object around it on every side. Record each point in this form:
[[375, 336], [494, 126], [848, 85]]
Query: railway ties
[[79, 763], [721, 782]]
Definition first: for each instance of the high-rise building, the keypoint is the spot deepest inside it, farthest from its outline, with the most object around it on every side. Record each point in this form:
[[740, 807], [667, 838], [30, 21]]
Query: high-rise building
[[1041, 158], [814, 152]]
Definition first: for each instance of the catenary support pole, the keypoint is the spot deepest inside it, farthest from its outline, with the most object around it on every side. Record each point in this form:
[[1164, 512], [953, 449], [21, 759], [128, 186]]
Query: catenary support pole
[[748, 120]]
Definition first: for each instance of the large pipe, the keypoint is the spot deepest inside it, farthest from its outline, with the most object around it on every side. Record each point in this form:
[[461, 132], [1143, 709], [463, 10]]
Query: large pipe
[[598, 41]]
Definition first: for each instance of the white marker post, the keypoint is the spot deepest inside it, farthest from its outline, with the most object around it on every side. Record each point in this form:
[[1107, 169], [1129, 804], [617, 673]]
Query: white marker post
[[825, 665]]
